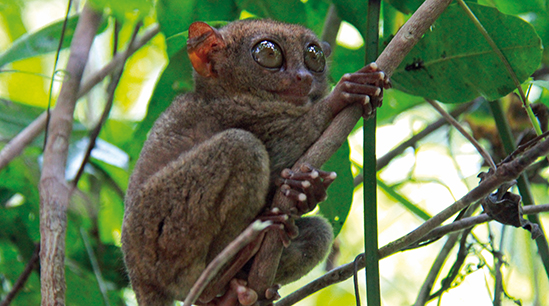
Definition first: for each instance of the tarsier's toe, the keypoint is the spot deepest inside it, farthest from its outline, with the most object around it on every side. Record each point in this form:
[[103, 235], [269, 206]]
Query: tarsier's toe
[[246, 296], [272, 294]]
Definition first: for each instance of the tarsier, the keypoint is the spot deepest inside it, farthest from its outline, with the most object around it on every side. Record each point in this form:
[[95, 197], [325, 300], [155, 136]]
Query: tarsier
[[215, 158]]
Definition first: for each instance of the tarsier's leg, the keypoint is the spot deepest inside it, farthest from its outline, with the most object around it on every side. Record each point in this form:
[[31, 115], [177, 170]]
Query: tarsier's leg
[[190, 210], [306, 188], [306, 251]]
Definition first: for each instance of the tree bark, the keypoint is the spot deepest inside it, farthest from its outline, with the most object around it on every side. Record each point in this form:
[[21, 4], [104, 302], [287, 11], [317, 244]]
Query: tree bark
[[54, 193]]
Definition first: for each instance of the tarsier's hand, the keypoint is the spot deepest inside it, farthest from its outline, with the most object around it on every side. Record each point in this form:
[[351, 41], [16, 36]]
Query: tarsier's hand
[[307, 188], [364, 86]]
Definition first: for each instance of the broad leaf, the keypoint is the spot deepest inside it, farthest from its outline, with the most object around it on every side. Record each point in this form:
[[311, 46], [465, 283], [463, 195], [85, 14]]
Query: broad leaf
[[454, 63]]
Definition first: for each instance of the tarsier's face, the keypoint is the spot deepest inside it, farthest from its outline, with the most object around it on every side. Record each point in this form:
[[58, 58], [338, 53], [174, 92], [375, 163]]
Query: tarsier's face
[[285, 62]]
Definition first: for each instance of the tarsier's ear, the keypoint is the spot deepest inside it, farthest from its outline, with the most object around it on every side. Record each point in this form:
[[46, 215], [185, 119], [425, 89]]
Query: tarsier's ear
[[203, 40], [326, 48]]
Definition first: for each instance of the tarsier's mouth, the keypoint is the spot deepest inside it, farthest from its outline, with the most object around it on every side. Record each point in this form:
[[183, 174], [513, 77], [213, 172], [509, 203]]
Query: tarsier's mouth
[[293, 97], [297, 95]]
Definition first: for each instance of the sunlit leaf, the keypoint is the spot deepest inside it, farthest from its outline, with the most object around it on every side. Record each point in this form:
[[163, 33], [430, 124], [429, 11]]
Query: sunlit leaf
[[42, 41]]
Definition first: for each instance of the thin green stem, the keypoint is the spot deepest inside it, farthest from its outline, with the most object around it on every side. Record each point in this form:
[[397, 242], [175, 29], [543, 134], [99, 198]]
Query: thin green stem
[[405, 202], [370, 179]]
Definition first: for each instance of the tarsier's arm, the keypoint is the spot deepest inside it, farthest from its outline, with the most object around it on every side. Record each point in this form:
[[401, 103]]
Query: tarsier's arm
[[363, 87]]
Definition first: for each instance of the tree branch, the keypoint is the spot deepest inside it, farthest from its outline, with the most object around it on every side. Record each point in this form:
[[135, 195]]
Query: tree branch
[[54, 194], [27, 135], [263, 270], [345, 271], [487, 157]]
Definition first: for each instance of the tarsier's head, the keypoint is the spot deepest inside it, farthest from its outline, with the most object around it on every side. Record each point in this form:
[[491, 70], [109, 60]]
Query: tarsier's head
[[266, 58]]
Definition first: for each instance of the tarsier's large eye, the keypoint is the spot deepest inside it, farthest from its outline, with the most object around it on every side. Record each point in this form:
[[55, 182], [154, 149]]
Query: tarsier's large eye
[[314, 58], [268, 54]]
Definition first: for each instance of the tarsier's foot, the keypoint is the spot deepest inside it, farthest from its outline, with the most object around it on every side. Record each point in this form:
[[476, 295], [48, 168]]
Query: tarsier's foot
[[272, 293], [237, 294], [282, 223], [307, 187]]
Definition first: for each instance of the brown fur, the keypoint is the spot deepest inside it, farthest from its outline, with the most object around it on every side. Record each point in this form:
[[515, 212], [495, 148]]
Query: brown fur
[[208, 167]]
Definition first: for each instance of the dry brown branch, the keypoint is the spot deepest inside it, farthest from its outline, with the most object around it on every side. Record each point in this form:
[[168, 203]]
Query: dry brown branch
[[263, 270], [54, 194], [344, 272]]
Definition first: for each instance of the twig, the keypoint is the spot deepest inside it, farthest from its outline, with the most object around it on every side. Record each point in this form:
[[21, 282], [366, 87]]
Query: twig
[[264, 266], [15, 146], [31, 265], [213, 268], [355, 277], [498, 276], [95, 266], [385, 159], [27, 135], [463, 132], [117, 74], [425, 291], [456, 267], [504, 173], [54, 195]]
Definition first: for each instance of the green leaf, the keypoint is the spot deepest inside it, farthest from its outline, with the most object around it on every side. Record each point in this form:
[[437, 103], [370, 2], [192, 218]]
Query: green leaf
[[316, 11], [454, 63], [517, 7], [176, 78], [123, 9], [43, 41], [14, 117], [176, 16], [406, 6], [353, 12], [290, 11], [11, 267], [340, 193]]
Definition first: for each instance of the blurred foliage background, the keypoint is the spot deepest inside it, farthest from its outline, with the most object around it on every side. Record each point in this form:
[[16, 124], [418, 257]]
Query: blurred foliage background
[[452, 64]]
